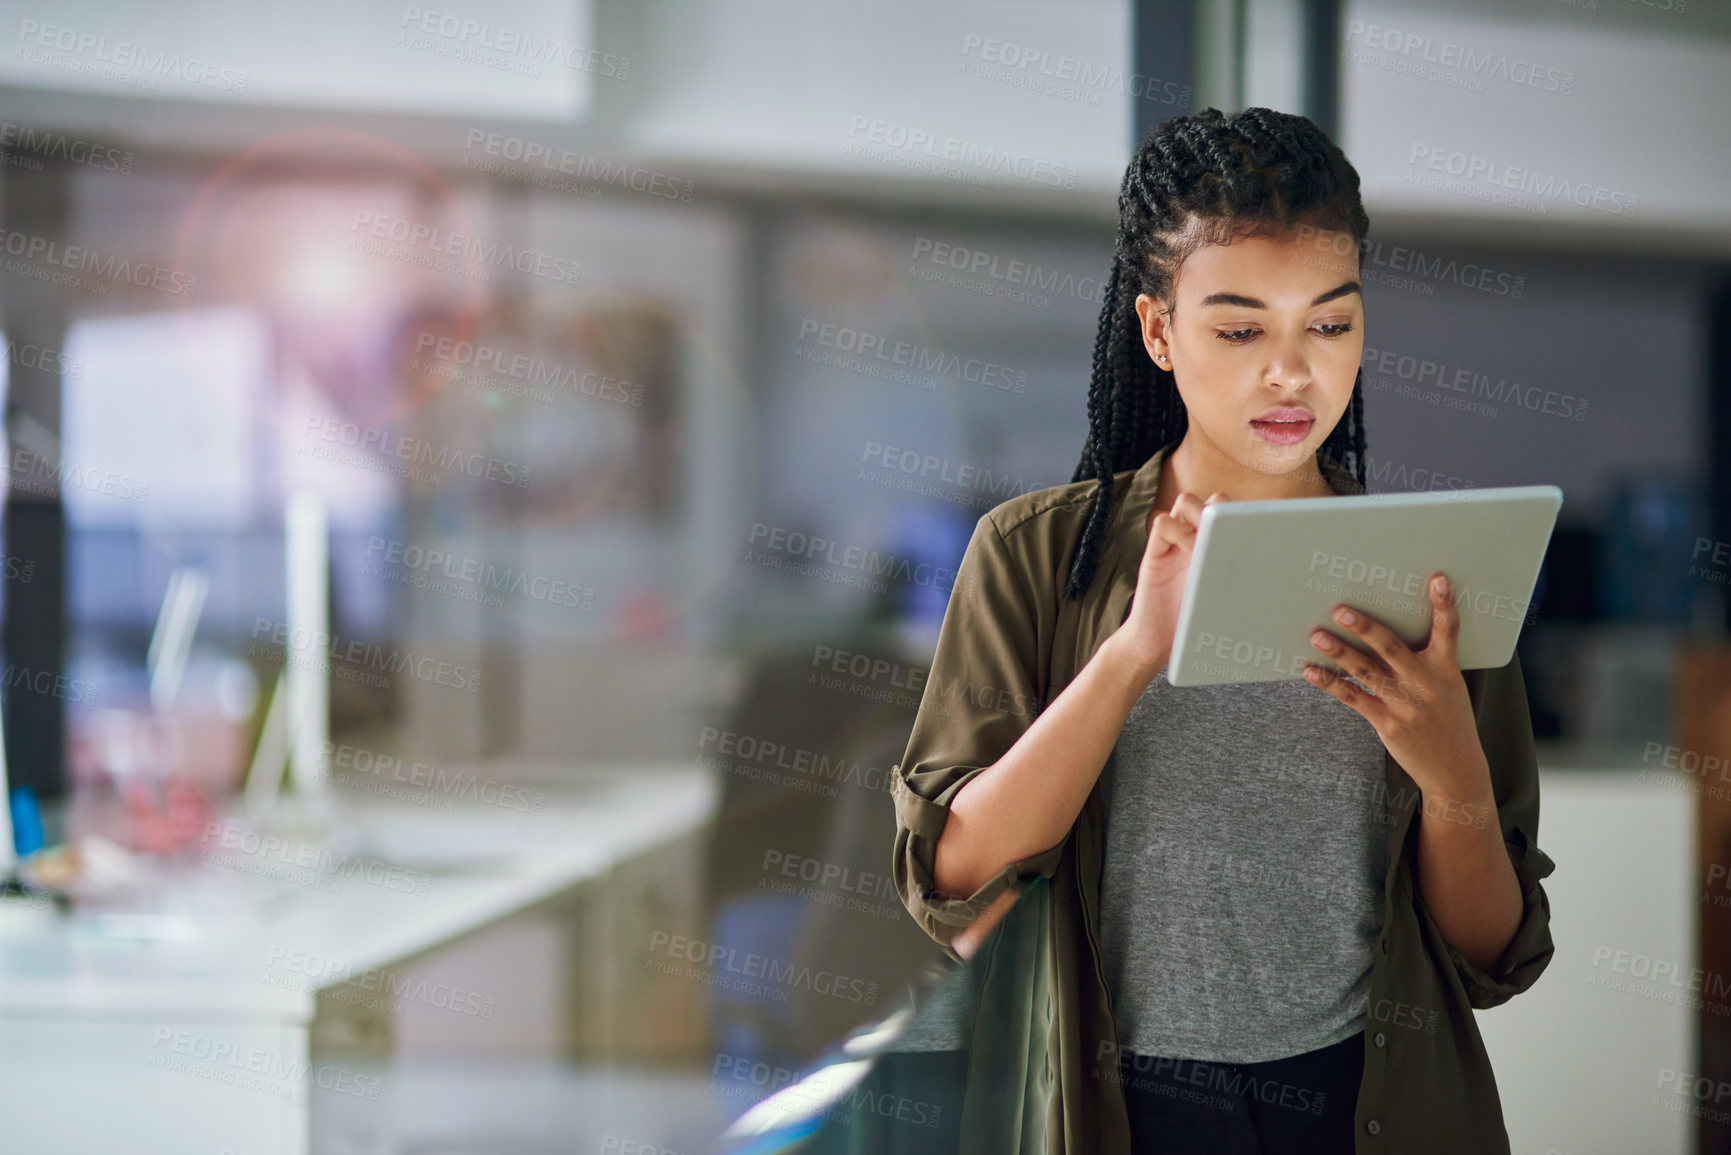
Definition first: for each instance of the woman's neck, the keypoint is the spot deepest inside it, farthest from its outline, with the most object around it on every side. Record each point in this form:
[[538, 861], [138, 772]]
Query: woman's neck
[[1195, 466]]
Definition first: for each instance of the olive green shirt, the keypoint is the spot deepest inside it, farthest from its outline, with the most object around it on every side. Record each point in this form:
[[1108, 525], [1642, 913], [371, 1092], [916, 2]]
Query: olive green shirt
[[1010, 637]]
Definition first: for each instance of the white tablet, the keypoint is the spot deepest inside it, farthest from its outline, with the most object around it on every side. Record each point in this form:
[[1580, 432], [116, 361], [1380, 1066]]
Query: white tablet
[[1266, 573]]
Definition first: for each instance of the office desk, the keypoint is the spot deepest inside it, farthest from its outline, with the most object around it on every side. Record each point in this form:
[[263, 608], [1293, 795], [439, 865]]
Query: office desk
[[185, 1030]]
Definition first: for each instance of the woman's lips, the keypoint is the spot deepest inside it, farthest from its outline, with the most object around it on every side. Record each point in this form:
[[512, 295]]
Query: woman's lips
[[1284, 426]]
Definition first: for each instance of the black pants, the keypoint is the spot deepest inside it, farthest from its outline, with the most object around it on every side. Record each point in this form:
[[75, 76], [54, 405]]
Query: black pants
[[1301, 1105]]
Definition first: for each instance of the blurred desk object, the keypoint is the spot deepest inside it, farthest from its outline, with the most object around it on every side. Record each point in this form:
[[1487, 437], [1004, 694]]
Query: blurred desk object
[[1578, 1057], [165, 1033]]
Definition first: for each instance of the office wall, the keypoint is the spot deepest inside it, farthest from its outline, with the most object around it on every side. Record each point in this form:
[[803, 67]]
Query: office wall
[[1616, 344], [1571, 96]]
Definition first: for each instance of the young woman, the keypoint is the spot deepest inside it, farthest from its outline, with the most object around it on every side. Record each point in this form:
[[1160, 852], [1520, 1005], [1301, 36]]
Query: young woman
[[1275, 906]]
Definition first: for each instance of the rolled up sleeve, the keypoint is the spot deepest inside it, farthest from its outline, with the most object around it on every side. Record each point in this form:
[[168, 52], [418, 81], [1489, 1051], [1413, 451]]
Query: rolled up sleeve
[[1505, 732], [981, 695]]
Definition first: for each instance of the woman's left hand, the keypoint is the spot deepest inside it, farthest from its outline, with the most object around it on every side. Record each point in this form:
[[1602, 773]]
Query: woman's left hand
[[1416, 699]]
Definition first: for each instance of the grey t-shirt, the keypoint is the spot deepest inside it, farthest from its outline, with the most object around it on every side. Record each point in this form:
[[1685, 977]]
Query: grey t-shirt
[[1242, 884]]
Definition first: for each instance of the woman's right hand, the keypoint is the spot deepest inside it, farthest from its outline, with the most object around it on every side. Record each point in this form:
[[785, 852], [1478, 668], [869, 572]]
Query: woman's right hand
[[1153, 619]]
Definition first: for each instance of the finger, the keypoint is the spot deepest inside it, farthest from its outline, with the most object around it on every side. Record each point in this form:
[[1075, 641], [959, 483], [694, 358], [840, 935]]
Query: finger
[[1214, 497], [1163, 538], [1445, 620], [1382, 641], [1175, 531], [1157, 513], [1342, 689], [1158, 547], [1188, 508], [1354, 661]]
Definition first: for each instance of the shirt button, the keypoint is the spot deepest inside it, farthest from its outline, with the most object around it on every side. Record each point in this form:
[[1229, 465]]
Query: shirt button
[[1379, 1040], [1373, 1127]]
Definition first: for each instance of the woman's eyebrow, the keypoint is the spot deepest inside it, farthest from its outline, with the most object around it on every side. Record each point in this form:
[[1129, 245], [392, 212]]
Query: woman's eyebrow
[[1244, 302]]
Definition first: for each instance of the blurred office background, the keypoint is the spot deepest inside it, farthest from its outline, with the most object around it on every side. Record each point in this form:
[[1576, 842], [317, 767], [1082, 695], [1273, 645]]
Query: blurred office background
[[649, 364]]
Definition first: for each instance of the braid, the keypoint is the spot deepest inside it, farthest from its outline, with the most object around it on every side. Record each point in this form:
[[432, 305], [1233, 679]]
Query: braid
[[1201, 179], [1345, 443]]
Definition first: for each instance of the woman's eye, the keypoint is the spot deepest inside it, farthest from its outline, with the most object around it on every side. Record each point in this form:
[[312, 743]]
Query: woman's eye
[[1240, 336]]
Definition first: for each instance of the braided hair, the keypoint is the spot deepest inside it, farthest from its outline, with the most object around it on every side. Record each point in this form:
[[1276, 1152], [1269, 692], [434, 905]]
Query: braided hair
[[1202, 179]]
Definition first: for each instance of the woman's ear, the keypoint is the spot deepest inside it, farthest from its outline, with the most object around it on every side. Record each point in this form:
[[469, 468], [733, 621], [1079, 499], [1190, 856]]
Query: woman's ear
[[1151, 312]]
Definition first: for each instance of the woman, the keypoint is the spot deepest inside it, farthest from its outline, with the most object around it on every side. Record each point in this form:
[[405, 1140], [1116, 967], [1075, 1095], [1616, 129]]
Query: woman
[[1275, 906]]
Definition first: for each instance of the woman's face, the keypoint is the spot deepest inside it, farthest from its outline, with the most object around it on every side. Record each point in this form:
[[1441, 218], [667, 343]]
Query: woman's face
[[1264, 343]]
